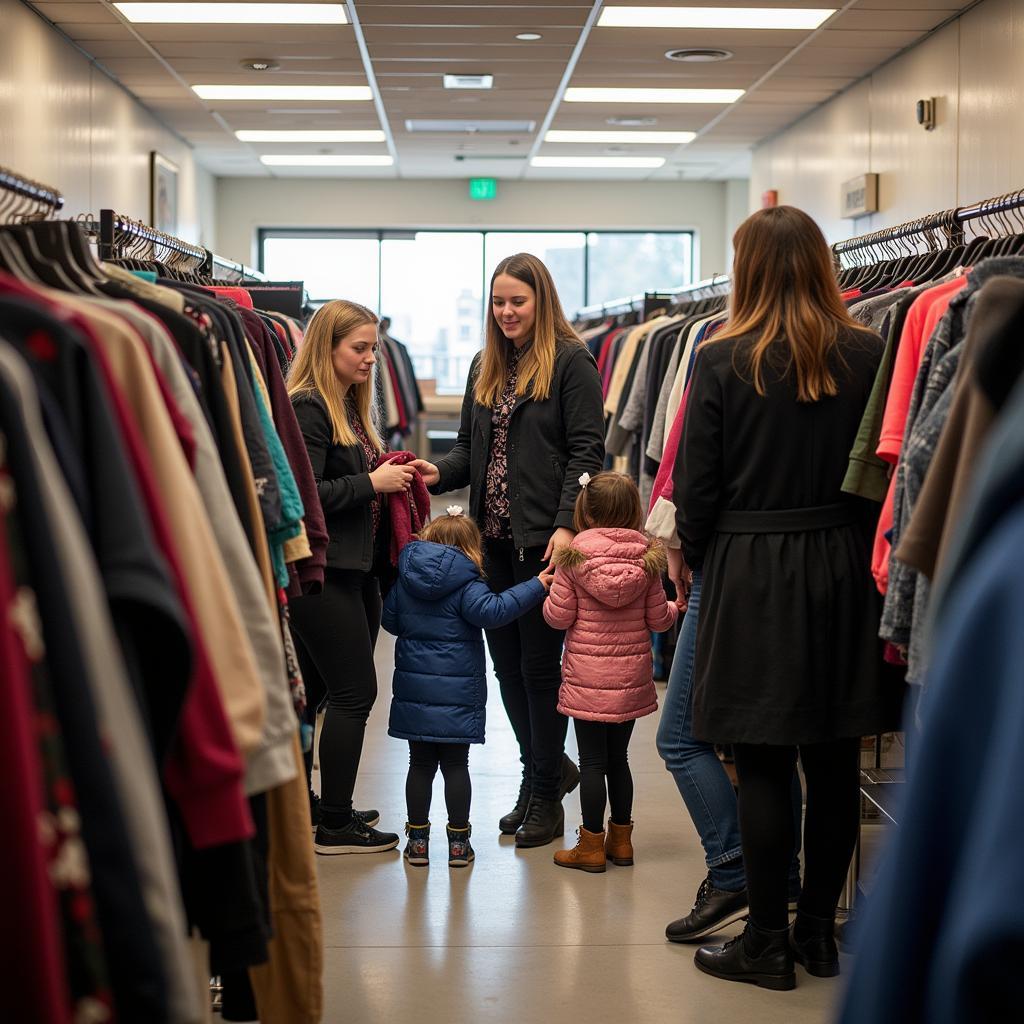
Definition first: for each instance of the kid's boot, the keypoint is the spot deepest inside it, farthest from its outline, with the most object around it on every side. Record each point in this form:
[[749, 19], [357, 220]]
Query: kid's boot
[[586, 855], [417, 850], [618, 847], [460, 850]]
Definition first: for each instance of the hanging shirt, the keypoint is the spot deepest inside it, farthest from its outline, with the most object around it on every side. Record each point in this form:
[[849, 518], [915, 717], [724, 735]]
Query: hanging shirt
[[497, 521]]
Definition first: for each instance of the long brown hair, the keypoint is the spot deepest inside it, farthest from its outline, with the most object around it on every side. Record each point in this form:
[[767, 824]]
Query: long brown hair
[[457, 532], [609, 500], [312, 371], [550, 326], [784, 289]]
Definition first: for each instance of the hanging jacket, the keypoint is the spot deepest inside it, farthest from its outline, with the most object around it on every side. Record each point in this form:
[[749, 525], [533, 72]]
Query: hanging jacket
[[608, 595], [437, 610]]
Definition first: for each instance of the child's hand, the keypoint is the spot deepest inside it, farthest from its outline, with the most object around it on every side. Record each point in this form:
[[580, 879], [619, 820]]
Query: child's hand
[[547, 577]]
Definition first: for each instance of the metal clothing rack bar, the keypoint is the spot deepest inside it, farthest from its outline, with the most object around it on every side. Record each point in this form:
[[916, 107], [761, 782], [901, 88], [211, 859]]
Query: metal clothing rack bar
[[45, 198], [716, 281], [228, 270], [116, 230], [629, 304]]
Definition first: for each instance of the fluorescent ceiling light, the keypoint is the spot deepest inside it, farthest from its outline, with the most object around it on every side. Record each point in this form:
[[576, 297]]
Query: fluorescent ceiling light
[[652, 95], [234, 14], [529, 37], [370, 135], [598, 161], [300, 160], [283, 92], [715, 17], [469, 81], [652, 138]]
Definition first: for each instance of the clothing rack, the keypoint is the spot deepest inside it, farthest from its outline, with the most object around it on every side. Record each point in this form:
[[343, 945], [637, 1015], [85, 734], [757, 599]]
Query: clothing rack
[[644, 303], [949, 222], [717, 284], [115, 230], [41, 198], [229, 270]]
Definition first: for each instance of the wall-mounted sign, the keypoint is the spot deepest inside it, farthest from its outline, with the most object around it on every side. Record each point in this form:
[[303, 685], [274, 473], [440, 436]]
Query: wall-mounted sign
[[769, 198], [859, 196], [483, 188]]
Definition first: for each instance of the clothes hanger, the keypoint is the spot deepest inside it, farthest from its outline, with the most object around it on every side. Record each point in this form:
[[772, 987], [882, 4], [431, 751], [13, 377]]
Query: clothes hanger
[[48, 271]]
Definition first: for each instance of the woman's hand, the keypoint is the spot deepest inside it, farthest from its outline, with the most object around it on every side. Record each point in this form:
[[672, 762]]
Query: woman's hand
[[681, 577], [390, 478], [561, 538], [430, 473]]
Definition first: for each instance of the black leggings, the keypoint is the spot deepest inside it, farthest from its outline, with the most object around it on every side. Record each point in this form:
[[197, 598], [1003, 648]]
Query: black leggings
[[424, 759], [604, 754], [527, 659], [766, 825], [335, 633]]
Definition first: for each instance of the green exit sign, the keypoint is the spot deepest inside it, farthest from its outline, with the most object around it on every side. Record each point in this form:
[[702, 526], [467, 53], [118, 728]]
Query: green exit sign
[[483, 188]]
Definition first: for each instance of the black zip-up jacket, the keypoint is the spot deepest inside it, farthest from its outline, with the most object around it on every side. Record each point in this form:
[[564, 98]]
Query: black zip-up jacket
[[551, 444], [344, 487]]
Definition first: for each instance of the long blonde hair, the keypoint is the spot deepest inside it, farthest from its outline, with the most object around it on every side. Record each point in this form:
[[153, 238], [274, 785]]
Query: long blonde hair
[[312, 371], [457, 532], [537, 366], [785, 290]]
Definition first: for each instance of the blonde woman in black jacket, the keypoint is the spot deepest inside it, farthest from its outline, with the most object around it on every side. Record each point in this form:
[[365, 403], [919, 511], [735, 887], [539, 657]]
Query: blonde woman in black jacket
[[532, 425], [331, 388]]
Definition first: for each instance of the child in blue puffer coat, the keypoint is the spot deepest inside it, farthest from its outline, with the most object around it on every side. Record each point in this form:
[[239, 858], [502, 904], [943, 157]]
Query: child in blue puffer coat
[[437, 609]]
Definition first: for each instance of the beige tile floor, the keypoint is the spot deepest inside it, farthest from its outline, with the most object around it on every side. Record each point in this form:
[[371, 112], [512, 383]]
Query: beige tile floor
[[514, 938]]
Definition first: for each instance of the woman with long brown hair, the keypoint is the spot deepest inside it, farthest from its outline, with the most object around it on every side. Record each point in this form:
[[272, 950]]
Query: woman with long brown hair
[[532, 425], [332, 390], [787, 657]]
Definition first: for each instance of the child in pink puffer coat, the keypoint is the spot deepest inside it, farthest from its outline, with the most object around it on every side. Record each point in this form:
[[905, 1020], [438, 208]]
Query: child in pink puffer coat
[[608, 595]]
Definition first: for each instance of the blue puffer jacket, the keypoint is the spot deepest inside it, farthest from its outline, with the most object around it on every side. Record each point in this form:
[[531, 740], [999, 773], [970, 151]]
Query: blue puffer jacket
[[437, 610]]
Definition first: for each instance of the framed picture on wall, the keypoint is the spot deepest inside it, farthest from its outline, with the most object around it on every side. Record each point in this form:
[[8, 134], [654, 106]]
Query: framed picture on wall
[[163, 194]]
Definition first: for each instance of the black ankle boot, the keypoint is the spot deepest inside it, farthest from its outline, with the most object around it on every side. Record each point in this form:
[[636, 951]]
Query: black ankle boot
[[509, 825], [544, 821], [757, 956], [570, 777], [812, 940]]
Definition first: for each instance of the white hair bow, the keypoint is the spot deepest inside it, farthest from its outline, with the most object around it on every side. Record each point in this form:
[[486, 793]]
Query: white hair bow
[[454, 510], [584, 480]]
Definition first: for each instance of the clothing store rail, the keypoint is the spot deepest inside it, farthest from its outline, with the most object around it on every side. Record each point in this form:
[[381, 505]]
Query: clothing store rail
[[237, 273], [949, 222], [36, 199], [709, 284], [641, 303], [117, 231]]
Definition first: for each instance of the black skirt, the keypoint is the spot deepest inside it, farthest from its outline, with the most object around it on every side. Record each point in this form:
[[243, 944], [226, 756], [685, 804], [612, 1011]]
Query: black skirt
[[787, 640]]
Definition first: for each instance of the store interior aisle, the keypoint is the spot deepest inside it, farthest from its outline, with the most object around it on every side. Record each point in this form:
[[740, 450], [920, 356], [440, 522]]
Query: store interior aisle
[[513, 937]]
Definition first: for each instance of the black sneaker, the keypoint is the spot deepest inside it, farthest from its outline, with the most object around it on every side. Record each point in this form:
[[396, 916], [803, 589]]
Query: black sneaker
[[460, 850], [712, 911], [368, 818], [355, 837]]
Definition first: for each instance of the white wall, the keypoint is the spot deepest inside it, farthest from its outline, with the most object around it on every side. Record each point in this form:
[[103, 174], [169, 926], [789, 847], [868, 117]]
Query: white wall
[[65, 123], [974, 67], [246, 204]]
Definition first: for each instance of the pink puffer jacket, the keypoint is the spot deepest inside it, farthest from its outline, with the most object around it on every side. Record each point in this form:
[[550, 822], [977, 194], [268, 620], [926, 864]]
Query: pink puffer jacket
[[608, 594]]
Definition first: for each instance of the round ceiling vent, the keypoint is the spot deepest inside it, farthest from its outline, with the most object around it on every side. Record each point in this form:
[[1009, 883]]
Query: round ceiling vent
[[260, 64], [698, 56]]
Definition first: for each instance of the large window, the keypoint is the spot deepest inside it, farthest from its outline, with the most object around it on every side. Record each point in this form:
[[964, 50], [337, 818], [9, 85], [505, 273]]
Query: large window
[[433, 284]]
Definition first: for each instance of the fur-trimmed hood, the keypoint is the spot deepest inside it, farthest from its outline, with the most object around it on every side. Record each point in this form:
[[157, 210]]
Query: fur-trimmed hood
[[614, 565]]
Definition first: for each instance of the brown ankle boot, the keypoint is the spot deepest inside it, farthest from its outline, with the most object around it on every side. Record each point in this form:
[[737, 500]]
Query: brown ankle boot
[[618, 848], [586, 855]]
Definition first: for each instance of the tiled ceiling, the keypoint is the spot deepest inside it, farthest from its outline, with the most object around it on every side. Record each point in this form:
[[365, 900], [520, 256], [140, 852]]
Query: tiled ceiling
[[409, 46]]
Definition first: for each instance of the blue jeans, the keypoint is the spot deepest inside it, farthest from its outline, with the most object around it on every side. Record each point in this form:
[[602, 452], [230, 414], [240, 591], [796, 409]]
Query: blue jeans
[[702, 780]]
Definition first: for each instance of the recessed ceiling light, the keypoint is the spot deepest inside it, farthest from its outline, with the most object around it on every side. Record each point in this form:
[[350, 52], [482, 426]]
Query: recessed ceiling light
[[651, 138], [302, 160], [233, 14], [283, 92], [260, 64], [632, 122], [529, 37], [370, 135], [609, 95], [699, 56], [469, 81], [715, 17], [460, 126], [636, 162]]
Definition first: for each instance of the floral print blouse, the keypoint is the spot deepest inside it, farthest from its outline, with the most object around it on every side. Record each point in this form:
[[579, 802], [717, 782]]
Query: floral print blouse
[[497, 519], [372, 460]]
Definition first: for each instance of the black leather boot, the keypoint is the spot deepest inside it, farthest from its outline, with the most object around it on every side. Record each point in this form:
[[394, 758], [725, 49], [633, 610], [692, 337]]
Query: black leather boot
[[545, 820], [813, 942], [570, 777], [757, 956], [509, 825]]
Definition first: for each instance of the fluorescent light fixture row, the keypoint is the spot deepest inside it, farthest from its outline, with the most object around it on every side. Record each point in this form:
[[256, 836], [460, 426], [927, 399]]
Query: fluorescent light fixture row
[[626, 162], [370, 135], [301, 160], [283, 92], [715, 17], [234, 14], [628, 138], [610, 95]]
